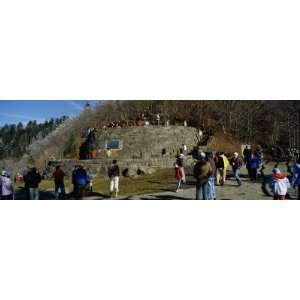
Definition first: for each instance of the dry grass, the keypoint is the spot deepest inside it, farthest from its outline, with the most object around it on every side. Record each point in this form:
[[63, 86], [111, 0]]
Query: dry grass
[[161, 180]]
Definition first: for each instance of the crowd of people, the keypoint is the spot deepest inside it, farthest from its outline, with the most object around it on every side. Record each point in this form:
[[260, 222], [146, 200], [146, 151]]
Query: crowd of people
[[211, 169]]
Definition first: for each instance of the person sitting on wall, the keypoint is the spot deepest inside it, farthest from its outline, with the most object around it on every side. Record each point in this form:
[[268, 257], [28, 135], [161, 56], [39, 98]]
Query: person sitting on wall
[[108, 152]]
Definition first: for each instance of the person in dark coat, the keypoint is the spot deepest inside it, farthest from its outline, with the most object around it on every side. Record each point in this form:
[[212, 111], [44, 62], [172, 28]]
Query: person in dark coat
[[58, 176], [246, 154], [114, 174], [33, 181]]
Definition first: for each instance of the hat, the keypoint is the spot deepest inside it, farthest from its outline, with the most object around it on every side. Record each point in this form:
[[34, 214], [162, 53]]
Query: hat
[[276, 170], [235, 154], [3, 173], [202, 155]]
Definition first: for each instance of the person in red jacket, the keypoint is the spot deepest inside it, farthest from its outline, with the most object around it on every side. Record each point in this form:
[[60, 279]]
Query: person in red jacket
[[179, 178]]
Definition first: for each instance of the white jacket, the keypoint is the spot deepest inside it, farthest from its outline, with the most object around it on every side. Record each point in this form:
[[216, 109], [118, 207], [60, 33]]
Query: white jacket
[[6, 186], [280, 185]]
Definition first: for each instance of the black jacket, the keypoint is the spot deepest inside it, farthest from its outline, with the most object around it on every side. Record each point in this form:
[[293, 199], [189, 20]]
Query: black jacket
[[113, 171]]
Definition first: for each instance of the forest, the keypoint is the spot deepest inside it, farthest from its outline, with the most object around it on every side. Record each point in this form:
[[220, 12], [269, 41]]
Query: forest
[[15, 139]]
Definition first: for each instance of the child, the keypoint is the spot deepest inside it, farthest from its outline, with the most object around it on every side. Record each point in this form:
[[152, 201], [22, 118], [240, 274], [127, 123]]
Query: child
[[178, 176], [279, 185]]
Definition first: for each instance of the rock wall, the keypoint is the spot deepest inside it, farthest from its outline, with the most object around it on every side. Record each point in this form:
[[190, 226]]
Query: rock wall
[[144, 149], [147, 142]]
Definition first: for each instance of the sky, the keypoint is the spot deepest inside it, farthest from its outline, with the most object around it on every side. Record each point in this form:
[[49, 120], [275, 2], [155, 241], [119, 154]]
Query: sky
[[15, 111]]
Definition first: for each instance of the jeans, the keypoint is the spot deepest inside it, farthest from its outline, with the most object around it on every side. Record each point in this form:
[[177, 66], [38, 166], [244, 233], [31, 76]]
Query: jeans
[[34, 193], [61, 187], [211, 189], [200, 185], [7, 197], [236, 174]]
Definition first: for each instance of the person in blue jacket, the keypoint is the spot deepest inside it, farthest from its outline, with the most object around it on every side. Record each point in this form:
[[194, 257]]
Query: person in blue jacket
[[80, 181], [252, 166], [296, 177]]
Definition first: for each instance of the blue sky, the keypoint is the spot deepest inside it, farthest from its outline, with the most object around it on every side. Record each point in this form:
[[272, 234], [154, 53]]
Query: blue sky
[[15, 111]]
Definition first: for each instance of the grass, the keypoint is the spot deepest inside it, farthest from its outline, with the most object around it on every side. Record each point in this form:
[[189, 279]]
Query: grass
[[161, 180]]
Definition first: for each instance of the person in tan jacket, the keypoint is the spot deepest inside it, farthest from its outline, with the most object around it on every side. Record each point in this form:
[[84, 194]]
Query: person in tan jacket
[[202, 172]]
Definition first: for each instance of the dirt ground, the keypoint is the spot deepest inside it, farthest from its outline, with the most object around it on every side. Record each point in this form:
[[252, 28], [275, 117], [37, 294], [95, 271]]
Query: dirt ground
[[230, 191]]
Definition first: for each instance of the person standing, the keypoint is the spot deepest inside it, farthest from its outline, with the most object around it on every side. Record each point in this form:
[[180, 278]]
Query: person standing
[[211, 189], [179, 162], [252, 166], [236, 164], [296, 177], [58, 176], [7, 190], [158, 119], [80, 181], [25, 179], [246, 154], [34, 179], [220, 168], [108, 152], [279, 185], [178, 176], [114, 174], [226, 165], [202, 171]]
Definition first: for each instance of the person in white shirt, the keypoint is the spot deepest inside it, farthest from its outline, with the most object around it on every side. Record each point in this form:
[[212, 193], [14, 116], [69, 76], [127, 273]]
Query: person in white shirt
[[158, 119], [7, 191]]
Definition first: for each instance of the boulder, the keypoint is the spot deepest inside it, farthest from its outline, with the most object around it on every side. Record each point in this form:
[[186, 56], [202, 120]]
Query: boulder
[[143, 170], [130, 172]]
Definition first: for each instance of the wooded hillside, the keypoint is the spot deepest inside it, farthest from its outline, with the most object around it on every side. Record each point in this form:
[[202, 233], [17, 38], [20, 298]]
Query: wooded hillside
[[260, 122]]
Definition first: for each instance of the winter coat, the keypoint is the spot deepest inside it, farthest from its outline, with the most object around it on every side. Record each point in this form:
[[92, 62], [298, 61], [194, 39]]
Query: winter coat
[[279, 184], [219, 162], [114, 171], [179, 161], [6, 187], [203, 170], [80, 177], [253, 163], [59, 176], [213, 166], [225, 160], [33, 180], [236, 163], [247, 153], [296, 175]]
